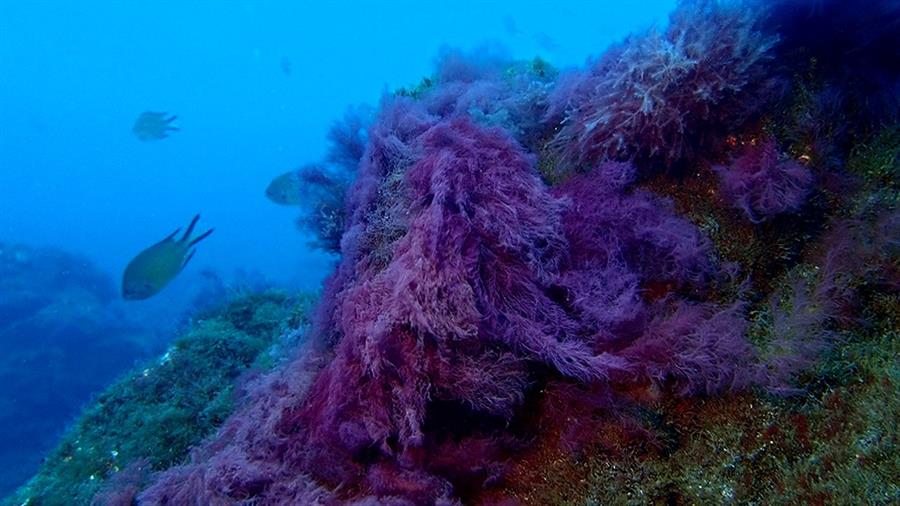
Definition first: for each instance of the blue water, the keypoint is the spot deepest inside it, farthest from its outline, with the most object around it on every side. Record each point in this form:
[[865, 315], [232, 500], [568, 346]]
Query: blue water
[[255, 86]]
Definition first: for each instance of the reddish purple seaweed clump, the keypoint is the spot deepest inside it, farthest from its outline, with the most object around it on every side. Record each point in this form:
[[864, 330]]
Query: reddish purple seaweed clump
[[667, 96], [469, 290], [464, 281], [762, 185]]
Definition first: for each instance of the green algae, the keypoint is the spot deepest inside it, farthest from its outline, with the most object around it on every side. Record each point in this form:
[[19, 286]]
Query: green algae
[[153, 415], [416, 91], [834, 445], [876, 163]]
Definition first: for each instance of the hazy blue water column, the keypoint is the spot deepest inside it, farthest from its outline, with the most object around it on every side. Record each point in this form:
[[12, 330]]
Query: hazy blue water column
[[77, 74]]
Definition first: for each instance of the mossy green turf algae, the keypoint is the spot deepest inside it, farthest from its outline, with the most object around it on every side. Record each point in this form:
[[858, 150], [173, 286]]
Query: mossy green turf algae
[[838, 444], [157, 412]]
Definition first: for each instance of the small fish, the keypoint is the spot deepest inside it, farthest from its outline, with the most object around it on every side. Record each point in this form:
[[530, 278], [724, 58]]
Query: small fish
[[157, 265], [285, 189], [286, 66], [304, 187], [151, 126]]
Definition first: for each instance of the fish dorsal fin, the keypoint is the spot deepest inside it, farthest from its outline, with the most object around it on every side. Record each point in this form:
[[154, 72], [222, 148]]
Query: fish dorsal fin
[[190, 229], [170, 236]]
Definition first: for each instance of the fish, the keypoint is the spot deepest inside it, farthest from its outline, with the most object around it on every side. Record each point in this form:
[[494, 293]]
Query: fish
[[286, 189], [152, 126], [305, 187], [152, 269]]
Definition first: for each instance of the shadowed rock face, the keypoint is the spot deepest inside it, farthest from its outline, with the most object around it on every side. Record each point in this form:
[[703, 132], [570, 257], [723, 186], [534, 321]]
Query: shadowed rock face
[[63, 338]]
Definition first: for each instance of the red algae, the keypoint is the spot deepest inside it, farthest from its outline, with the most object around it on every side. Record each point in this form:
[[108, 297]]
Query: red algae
[[627, 329]]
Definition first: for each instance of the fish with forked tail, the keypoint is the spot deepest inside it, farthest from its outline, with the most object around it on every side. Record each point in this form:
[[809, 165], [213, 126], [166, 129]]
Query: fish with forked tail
[[153, 268], [153, 126]]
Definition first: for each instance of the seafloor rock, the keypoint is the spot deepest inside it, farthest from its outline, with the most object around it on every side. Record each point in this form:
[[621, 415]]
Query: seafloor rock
[[150, 418], [63, 338]]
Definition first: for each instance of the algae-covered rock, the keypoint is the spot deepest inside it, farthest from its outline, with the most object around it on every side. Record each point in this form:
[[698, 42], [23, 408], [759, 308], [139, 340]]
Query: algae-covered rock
[[151, 417], [64, 336]]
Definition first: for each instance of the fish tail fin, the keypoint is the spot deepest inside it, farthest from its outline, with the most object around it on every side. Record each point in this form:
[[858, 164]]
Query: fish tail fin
[[200, 237], [190, 229], [173, 234]]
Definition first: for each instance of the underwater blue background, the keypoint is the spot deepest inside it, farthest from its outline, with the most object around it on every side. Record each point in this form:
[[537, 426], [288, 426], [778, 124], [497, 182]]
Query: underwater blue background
[[77, 74], [255, 86]]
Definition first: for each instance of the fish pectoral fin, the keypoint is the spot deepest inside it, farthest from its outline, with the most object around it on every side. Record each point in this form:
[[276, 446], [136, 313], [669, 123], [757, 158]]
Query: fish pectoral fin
[[200, 237], [188, 258]]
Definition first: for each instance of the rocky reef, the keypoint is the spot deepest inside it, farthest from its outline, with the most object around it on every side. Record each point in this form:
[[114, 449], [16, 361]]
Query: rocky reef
[[670, 277], [64, 338], [150, 418]]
